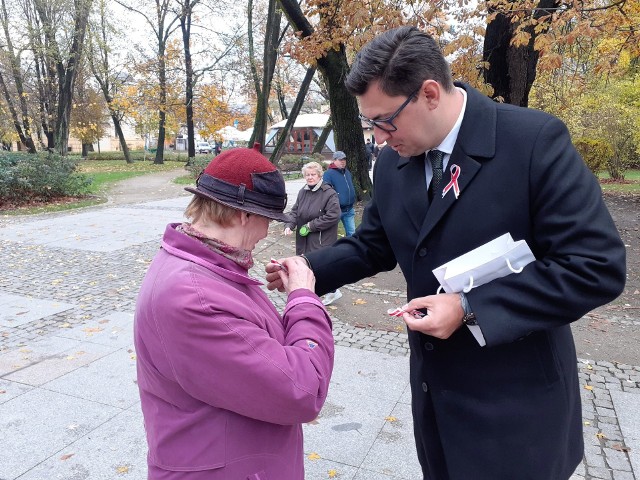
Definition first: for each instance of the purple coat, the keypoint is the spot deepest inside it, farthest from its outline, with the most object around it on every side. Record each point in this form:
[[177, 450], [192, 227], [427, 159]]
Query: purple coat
[[225, 381]]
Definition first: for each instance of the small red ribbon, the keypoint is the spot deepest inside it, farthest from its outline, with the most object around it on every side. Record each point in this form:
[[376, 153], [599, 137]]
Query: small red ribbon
[[453, 183]]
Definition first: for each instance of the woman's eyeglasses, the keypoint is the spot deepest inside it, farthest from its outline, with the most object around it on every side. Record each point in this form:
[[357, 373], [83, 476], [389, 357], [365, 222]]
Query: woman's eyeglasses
[[386, 124]]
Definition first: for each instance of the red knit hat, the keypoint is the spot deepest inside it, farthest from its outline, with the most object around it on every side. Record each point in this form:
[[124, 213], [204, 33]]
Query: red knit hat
[[244, 179]]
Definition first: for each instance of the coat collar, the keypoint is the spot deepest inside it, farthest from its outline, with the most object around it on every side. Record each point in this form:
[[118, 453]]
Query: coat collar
[[476, 140], [187, 248]]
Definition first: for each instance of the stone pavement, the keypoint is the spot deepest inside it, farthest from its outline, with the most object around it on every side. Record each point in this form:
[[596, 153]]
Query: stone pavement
[[69, 405]]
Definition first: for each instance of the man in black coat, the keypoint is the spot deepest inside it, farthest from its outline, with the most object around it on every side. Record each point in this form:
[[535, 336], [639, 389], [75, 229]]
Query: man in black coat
[[458, 171]]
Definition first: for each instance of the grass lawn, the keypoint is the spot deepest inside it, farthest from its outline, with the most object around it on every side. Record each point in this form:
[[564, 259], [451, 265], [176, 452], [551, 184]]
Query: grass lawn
[[631, 183], [105, 173]]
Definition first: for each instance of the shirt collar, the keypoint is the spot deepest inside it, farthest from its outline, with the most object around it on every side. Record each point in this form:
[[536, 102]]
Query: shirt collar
[[450, 140]]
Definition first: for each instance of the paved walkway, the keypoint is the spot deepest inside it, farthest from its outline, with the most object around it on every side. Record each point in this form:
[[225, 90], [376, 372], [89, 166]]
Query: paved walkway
[[69, 404]]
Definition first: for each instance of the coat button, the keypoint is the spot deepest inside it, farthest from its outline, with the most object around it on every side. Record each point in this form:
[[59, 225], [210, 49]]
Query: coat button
[[428, 346], [422, 252], [425, 388]]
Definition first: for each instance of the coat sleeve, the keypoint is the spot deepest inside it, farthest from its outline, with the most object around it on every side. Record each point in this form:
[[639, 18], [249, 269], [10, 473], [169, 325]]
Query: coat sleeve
[[220, 351], [330, 212], [353, 258], [580, 258]]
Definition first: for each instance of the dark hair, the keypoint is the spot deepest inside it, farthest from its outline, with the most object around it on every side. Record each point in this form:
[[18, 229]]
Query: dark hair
[[400, 59]]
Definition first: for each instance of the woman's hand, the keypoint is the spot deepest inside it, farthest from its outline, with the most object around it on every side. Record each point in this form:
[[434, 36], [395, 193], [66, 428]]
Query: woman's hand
[[297, 275]]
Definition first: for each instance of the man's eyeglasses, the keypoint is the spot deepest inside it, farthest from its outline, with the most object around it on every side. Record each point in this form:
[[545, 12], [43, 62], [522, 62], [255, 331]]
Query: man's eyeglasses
[[386, 124]]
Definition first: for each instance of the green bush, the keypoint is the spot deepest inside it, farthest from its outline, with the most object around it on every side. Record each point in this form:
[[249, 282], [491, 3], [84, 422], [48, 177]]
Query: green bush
[[290, 163], [595, 152], [25, 177], [198, 164]]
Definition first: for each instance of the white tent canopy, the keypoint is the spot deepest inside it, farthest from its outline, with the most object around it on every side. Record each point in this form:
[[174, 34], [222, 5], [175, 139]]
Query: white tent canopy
[[315, 121], [230, 133]]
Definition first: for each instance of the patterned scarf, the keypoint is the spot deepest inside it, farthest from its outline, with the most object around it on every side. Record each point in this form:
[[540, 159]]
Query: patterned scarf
[[240, 256]]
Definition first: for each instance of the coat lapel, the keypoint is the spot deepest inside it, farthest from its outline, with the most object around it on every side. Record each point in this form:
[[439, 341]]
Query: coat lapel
[[468, 169], [414, 196], [476, 139]]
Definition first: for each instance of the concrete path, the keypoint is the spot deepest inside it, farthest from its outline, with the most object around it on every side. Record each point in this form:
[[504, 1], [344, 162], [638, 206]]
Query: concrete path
[[69, 405]]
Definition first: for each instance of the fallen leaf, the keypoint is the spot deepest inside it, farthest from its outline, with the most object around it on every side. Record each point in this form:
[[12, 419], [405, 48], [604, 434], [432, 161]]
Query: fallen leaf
[[369, 284], [104, 321], [359, 301], [332, 307], [391, 419], [601, 435], [2, 391], [64, 325], [22, 313], [123, 469], [637, 292], [588, 387], [587, 423], [92, 329], [67, 456], [620, 448], [332, 473], [314, 456], [589, 367]]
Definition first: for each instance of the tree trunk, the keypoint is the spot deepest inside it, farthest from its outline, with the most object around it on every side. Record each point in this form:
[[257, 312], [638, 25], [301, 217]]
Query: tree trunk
[[512, 70], [67, 75], [281, 100], [162, 113], [121, 139], [185, 25], [344, 108], [295, 110], [24, 132], [270, 56], [27, 141], [344, 116]]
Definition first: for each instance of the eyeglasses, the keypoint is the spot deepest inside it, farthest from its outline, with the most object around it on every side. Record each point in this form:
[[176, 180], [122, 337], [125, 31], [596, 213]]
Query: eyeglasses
[[383, 123]]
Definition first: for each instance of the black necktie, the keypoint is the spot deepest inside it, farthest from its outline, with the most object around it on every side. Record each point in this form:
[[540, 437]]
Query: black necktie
[[435, 157]]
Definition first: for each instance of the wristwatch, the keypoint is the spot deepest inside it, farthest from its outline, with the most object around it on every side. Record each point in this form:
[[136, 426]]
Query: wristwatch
[[469, 318]]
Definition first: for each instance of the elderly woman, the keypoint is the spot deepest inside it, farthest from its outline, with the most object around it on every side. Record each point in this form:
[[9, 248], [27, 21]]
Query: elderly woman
[[226, 381], [315, 215]]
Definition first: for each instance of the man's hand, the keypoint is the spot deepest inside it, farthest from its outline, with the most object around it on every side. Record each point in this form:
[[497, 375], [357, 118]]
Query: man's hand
[[444, 315], [287, 231]]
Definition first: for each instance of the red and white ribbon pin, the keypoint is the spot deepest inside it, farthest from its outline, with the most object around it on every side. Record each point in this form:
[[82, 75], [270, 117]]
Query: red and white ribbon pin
[[453, 183]]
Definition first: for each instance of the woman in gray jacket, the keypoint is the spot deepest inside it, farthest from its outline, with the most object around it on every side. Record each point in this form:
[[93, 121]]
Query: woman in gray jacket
[[315, 216]]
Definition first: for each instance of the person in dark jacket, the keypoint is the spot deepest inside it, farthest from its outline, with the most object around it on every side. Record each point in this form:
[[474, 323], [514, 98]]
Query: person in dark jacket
[[225, 380], [315, 217], [339, 177], [458, 171], [369, 147]]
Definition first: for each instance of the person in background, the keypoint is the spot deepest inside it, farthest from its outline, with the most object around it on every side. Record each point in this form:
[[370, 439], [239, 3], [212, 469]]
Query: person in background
[[225, 381], [315, 217], [460, 170], [339, 177], [369, 147]]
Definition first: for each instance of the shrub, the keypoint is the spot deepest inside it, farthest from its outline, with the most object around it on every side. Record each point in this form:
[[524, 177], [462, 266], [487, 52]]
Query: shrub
[[595, 152], [289, 163], [197, 165], [26, 177]]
